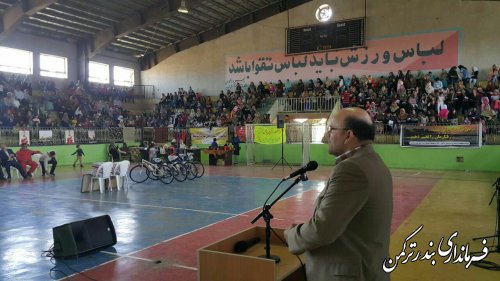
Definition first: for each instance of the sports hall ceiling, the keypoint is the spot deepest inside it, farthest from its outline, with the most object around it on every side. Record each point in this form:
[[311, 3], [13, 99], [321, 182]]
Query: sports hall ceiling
[[148, 30]]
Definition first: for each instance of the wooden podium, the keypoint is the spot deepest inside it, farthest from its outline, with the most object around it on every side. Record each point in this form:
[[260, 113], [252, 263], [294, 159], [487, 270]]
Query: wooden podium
[[218, 262]]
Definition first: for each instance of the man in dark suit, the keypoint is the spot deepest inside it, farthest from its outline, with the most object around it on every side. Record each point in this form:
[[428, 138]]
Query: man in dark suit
[[8, 158], [347, 237]]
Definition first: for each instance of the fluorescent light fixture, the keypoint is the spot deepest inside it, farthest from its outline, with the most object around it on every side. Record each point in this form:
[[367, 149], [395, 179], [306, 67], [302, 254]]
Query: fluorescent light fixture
[[300, 120], [182, 8]]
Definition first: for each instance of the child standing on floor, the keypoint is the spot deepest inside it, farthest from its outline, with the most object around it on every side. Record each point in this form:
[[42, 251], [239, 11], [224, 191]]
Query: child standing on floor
[[79, 153]]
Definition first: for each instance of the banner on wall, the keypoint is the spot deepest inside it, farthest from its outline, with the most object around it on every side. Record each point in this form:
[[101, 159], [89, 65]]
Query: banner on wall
[[45, 134], [428, 51], [206, 136], [269, 134], [241, 132], [24, 137], [129, 134], [91, 135], [69, 136], [441, 136]]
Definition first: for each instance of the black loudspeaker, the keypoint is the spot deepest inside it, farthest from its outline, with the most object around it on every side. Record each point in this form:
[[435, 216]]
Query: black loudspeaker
[[281, 121], [83, 236]]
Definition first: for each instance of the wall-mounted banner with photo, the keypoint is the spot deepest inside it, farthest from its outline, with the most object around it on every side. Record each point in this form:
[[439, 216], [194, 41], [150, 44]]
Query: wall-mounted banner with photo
[[206, 136], [441, 136], [45, 134], [91, 135], [24, 137], [269, 134], [69, 137], [241, 132]]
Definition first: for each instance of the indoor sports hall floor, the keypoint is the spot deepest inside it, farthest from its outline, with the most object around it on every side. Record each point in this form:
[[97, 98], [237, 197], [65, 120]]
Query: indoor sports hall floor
[[159, 227]]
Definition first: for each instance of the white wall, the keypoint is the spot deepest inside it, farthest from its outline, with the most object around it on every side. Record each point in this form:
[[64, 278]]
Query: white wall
[[203, 66]]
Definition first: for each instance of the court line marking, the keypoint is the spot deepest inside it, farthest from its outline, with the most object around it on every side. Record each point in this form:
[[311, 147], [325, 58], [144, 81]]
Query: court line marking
[[123, 203]]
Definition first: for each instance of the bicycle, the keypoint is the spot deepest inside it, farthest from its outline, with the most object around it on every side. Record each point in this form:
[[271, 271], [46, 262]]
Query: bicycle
[[146, 169]]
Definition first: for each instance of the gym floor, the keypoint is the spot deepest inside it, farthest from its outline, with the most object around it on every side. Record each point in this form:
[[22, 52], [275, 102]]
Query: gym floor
[[160, 227]]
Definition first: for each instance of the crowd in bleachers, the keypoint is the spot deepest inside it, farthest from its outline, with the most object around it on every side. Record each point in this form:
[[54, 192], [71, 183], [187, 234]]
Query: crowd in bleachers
[[76, 106], [451, 96], [189, 109]]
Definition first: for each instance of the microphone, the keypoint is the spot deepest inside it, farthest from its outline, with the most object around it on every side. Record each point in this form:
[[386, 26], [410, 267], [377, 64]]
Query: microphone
[[242, 246], [311, 166]]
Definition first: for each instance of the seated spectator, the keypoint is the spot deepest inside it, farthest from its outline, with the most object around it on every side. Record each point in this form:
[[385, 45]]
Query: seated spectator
[[24, 159]]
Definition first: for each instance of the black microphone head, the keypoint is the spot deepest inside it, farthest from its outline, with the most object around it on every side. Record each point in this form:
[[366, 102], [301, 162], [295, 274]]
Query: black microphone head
[[312, 165]]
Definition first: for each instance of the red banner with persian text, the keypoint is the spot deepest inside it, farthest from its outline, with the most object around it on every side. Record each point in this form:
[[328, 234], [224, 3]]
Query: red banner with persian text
[[428, 51]]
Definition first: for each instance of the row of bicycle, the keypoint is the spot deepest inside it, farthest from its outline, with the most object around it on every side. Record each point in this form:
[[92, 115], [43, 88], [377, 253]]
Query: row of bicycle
[[179, 167]]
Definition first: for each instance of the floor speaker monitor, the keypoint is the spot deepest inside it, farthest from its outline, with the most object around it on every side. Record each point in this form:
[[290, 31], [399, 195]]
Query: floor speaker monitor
[[83, 236]]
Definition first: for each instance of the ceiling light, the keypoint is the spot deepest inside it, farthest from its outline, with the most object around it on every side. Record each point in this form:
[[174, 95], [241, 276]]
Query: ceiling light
[[182, 8], [324, 13]]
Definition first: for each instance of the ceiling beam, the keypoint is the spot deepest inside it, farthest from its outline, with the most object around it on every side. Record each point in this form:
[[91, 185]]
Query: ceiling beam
[[135, 22], [15, 14], [275, 7]]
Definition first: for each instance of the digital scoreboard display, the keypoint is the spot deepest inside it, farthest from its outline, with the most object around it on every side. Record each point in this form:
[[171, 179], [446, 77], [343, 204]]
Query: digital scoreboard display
[[324, 37]]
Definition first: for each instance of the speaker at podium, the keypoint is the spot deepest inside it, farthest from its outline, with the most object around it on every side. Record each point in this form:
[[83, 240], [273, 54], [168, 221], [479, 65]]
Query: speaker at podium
[[83, 236]]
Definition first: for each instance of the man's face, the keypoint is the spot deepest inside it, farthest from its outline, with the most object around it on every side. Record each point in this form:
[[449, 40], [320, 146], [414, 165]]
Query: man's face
[[337, 135], [3, 146]]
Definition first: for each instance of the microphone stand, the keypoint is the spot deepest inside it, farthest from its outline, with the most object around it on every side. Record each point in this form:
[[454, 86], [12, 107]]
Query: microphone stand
[[268, 216]]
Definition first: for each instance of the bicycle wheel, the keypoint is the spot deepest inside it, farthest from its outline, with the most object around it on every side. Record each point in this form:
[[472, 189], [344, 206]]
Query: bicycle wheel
[[139, 174], [179, 172], [191, 170], [200, 169], [167, 175], [155, 174]]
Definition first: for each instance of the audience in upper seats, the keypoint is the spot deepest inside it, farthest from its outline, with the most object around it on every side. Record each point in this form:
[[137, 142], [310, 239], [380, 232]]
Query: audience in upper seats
[[450, 97], [419, 94]]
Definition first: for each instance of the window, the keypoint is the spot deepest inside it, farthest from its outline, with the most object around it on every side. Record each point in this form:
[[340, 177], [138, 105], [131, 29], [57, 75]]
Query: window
[[98, 72], [53, 66], [16, 61], [123, 76]]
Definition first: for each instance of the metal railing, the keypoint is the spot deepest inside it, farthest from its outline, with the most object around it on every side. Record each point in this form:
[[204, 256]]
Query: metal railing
[[384, 134], [57, 136], [312, 104]]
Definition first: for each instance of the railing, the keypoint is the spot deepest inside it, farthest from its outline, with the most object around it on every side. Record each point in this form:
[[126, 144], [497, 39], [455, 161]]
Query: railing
[[145, 92], [384, 134], [57, 136], [312, 104]]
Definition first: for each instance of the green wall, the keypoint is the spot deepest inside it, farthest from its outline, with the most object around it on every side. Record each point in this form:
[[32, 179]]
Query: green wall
[[482, 159]]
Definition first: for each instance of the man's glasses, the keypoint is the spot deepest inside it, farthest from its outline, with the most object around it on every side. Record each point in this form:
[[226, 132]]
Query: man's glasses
[[331, 129]]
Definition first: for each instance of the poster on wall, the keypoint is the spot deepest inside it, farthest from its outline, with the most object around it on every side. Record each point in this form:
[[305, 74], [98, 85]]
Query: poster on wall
[[426, 51], [441, 136], [91, 135], [45, 134], [129, 134], [24, 137], [206, 136], [269, 134], [241, 132], [69, 136]]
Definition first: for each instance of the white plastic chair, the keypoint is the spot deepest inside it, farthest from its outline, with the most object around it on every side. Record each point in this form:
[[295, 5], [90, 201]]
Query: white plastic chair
[[36, 158], [101, 174], [120, 171]]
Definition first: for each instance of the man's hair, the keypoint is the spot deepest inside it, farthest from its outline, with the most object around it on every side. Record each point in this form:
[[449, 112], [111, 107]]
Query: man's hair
[[360, 128]]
